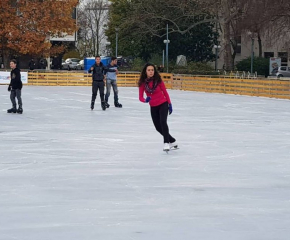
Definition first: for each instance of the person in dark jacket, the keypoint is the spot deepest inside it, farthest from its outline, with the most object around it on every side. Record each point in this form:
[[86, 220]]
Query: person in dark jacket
[[32, 64], [98, 71], [15, 87], [43, 63]]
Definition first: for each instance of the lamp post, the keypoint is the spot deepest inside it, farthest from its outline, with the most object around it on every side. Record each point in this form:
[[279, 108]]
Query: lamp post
[[217, 47], [107, 47], [167, 41], [132, 48], [117, 30], [252, 56], [163, 58]]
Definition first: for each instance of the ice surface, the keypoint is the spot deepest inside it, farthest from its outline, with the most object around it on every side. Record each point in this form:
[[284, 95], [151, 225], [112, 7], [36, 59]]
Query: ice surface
[[69, 173]]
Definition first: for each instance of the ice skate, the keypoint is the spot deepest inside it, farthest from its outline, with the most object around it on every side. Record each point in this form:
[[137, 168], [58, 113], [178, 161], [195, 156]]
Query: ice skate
[[20, 110], [92, 105], [118, 105], [107, 105], [12, 110], [103, 104], [173, 145], [166, 147]]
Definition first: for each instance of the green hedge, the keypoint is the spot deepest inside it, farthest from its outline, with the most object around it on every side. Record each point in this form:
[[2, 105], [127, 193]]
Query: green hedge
[[260, 65]]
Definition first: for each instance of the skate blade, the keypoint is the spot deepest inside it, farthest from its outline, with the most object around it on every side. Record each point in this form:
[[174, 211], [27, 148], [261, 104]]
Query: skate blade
[[174, 148]]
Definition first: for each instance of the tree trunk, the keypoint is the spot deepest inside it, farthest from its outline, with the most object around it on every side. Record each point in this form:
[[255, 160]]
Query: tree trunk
[[227, 47], [6, 59], [260, 45], [226, 23], [233, 60]]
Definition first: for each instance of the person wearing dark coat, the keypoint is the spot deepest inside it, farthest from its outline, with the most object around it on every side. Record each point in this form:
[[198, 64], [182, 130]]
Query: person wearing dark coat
[[98, 71], [15, 87], [32, 64]]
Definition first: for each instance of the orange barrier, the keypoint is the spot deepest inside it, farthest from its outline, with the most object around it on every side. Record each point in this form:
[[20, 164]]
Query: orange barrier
[[252, 87]]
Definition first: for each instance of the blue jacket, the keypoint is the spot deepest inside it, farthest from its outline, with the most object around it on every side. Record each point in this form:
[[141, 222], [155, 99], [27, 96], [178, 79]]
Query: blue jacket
[[111, 72]]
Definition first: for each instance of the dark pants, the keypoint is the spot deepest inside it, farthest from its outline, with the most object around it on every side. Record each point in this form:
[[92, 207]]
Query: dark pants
[[95, 87], [16, 93], [159, 117], [112, 83]]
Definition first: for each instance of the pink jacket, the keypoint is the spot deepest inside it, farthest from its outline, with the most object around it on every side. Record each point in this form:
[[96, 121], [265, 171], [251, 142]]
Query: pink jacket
[[159, 96]]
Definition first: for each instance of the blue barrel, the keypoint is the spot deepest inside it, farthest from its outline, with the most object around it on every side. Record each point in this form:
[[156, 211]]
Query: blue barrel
[[89, 61]]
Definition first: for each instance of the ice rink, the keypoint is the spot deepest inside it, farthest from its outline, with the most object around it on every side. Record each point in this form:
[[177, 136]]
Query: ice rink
[[69, 173]]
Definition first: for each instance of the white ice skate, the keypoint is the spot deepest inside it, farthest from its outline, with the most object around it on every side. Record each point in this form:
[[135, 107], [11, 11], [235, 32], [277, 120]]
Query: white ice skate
[[166, 147], [173, 146]]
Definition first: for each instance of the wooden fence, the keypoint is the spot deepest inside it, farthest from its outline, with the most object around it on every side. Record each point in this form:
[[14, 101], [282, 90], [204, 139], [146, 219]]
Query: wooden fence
[[253, 87], [125, 79]]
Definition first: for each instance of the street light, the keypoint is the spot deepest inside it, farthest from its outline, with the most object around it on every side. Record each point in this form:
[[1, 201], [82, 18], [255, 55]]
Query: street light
[[117, 30], [252, 51], [163, 58], [107, 47], [217, 47], [167, 41], [133, 48]]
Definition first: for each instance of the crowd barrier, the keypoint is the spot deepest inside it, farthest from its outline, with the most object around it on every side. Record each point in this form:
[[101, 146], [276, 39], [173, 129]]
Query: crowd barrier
[[273, 88]]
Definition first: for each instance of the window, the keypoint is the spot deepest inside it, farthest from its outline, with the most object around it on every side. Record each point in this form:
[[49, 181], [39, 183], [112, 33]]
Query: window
[[283, 68], [268, 54], [284, 58]]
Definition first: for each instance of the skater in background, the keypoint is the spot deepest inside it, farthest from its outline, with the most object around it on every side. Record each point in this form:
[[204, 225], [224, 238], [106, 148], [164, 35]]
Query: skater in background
[[43, 63], [111, 81], [15, 87], [98, 71], [157, 96], [32, 64]]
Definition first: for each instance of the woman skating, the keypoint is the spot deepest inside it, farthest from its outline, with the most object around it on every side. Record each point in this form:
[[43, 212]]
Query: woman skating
[[151, 83]]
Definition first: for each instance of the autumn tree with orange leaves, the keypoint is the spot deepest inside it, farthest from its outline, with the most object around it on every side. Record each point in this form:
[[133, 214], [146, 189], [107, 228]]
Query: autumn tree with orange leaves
[[27, 25]]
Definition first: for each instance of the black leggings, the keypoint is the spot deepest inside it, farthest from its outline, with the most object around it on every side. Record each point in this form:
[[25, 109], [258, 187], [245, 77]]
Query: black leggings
[[159, 117]]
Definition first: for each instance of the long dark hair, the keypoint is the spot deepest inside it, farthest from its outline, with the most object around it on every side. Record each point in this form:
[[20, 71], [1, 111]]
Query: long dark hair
[[143, 76]]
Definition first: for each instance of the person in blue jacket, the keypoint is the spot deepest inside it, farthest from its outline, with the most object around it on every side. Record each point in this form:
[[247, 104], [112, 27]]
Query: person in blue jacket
[[111, 81]]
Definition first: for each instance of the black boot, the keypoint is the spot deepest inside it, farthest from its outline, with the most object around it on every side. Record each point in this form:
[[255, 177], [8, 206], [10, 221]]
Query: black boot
[[117, 104], [20, 110], [12, 110], [107, 105], [103, 104], [92, 105]]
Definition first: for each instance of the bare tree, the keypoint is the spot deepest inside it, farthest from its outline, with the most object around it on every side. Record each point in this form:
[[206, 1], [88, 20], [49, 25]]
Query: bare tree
[[151, 15], [257, 20], [231, 13], [278, 25], [92, 16], [233, 16]]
